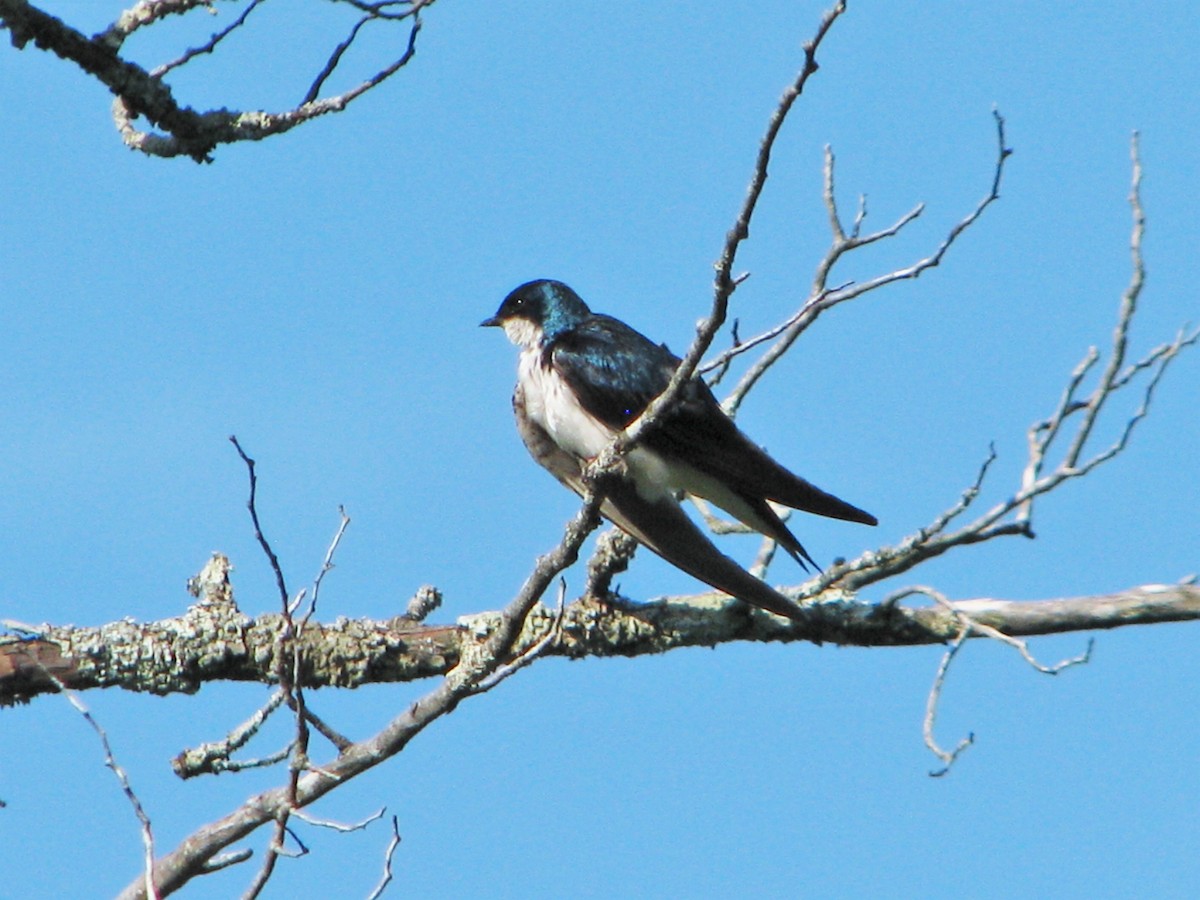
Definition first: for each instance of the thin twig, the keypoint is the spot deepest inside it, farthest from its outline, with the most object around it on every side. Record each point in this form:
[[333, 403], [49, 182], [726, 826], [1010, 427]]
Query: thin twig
[[288, 670], [340, 741], [822, 298], [208, 46], [540, 646], [225, 860], [341, 827], [252, 506], [722, 360], [340, 101], [968, 626], [931, 705], [326, 564], [386, 878], [214, 756], [968, 496], [1011, 516], [110, 760], [1129, 298]]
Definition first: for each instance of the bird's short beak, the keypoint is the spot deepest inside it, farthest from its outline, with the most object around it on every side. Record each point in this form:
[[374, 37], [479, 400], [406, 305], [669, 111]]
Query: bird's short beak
[[492, 322]]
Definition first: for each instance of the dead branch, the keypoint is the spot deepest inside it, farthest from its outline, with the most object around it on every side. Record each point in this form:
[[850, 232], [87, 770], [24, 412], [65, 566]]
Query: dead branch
[[822, 297], [234, 647], [142, 93], [1014, 514], [110, 760], [481, 652], [968, 627], [390, 852]]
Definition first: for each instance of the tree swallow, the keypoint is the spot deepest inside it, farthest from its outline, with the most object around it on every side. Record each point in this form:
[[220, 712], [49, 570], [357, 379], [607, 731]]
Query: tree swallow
[[583, 377]]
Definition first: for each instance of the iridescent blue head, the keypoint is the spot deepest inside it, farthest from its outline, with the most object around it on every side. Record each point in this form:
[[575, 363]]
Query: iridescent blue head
[[539, 310]]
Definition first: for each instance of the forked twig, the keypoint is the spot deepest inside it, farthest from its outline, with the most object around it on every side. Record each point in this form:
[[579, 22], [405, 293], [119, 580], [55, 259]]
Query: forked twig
[[968, 627], [822, 297]]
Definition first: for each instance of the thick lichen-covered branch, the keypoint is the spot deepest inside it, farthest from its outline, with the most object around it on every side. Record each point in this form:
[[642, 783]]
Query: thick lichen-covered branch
[[212, 643]]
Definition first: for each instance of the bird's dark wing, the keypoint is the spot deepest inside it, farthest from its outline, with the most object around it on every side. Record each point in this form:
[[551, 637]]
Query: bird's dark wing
[[616, 371], [665, 528], [700, 434], [660, 525], [613, 370]]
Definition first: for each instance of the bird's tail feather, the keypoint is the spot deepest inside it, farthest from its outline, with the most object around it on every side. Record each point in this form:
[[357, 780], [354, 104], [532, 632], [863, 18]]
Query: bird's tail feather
[[666, 529]]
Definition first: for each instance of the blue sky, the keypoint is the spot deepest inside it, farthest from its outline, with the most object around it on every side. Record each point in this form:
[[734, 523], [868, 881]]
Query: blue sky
[[318, 295]]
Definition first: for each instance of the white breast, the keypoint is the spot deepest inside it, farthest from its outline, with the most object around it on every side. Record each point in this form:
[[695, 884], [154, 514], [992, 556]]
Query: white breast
[[551, 403]]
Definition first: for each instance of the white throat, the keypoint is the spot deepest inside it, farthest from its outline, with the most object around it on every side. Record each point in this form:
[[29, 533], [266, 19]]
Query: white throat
[[523, 333]]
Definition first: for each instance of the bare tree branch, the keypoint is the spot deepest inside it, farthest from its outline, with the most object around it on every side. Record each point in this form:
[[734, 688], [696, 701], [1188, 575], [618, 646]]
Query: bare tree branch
[[822, 297], [1013, 515], [142, 93], [209, 46], [290, 674], [968, 627], [135, 656], [390, 852], [948, 757], [481, 651], [215, 756], [110, 760]]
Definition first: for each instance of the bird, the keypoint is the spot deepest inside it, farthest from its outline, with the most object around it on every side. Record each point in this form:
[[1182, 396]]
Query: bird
[[583, 377]]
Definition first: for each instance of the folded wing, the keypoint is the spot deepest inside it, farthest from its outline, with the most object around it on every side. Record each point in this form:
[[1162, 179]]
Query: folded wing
[[659, 524], [616, 371]]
